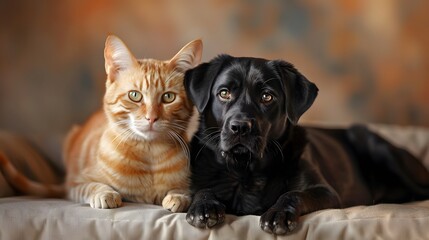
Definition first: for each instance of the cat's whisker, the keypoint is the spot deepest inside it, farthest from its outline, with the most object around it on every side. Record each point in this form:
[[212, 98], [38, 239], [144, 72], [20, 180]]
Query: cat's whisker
[[187, 115], [208, 136], [177, 138], [172, 124], [216, 136], [180, 139], [183, 145], [172, 137], [125, 136], [181, 129], [205, 143], [120, 134], [211, 129], [119, 124]]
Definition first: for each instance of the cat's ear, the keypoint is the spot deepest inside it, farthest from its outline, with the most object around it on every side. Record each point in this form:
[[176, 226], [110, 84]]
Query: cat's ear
[[188, 57], [117, 57]]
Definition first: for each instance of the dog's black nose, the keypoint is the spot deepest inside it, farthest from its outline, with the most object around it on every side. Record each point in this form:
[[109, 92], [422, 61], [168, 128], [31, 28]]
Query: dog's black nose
[[240, 127]]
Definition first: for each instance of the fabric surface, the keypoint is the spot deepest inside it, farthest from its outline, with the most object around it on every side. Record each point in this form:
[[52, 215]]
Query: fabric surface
[[35, 218]]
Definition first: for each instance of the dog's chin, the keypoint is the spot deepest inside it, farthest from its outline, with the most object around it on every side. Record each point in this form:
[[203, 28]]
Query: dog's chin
[[239, 156], [240, 150]]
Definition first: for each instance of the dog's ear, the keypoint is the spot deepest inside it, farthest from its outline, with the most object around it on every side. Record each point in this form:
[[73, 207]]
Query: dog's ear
[[199, 80], [300, 92]]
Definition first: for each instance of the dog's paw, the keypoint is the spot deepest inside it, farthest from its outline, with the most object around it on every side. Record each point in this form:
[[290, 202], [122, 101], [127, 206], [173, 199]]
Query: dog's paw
[[109, 199], [206, 213], [176, 202], [278, 221]]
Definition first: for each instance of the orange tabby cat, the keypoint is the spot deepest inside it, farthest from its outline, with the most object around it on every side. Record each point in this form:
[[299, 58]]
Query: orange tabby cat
[[135, 149]]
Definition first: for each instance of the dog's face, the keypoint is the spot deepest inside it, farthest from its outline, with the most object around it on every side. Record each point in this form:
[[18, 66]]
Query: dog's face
[[247, 103]]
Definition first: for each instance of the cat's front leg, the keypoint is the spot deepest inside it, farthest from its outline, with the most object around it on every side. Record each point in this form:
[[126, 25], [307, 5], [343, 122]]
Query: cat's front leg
[[98, 195], [177, 200]]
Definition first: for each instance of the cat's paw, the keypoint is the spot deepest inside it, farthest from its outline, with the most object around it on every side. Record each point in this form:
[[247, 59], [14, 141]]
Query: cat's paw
[[105, 200], [176, 202]]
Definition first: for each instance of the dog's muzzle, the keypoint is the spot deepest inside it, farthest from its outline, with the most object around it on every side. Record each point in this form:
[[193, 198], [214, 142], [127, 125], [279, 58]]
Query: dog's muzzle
[[239, 140], [240, 127]]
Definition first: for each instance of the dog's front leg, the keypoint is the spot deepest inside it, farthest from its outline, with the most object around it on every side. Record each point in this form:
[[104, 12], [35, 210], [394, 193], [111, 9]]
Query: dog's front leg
[[205, 210], [283, 216]]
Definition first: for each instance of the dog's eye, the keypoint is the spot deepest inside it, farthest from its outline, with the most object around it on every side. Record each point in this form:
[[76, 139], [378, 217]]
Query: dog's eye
[[266, 98], [224, 95]]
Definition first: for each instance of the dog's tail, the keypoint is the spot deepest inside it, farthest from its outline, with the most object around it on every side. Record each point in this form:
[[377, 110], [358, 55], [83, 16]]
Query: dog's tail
[[390, 161], [25, 185]]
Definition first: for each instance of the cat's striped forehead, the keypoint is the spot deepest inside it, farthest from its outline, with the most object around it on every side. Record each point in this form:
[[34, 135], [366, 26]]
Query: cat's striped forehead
[[155, 74]]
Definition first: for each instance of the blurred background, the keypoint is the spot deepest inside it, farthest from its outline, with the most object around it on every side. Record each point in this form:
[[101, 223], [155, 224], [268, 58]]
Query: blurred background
[[370, 59]]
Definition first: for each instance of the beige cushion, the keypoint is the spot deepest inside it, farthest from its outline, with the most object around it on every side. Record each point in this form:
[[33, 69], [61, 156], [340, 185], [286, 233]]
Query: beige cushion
[[33, 218]]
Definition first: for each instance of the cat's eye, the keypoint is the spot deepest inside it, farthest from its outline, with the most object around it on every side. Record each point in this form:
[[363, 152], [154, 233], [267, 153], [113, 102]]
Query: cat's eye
[[266, 98], [168, 97], [224, 95], [135, 96]]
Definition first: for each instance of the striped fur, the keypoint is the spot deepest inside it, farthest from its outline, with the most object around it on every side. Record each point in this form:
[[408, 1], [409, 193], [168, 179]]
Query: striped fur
[[128, 150], [135, 151]]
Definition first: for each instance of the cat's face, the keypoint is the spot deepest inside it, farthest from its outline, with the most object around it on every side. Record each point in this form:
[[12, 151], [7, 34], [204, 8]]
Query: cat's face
[[146, 98]]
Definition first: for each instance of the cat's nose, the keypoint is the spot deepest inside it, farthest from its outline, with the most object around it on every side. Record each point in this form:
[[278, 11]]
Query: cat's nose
[[151, 120]]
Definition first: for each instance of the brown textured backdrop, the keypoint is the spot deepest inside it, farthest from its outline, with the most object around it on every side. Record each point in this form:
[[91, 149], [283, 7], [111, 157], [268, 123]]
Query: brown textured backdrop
[[370, 59]]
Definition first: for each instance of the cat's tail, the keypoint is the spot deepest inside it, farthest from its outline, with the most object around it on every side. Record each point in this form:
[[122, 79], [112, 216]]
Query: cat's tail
[[27, 186]]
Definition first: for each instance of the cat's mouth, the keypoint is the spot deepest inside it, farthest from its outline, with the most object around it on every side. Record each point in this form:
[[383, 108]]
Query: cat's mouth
[[145, 132]]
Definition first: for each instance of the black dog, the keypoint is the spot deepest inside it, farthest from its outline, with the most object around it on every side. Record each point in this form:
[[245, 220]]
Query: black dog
[[250, 157]]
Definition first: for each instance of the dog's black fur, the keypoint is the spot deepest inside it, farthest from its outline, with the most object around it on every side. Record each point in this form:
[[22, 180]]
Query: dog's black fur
[[250, 157]]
